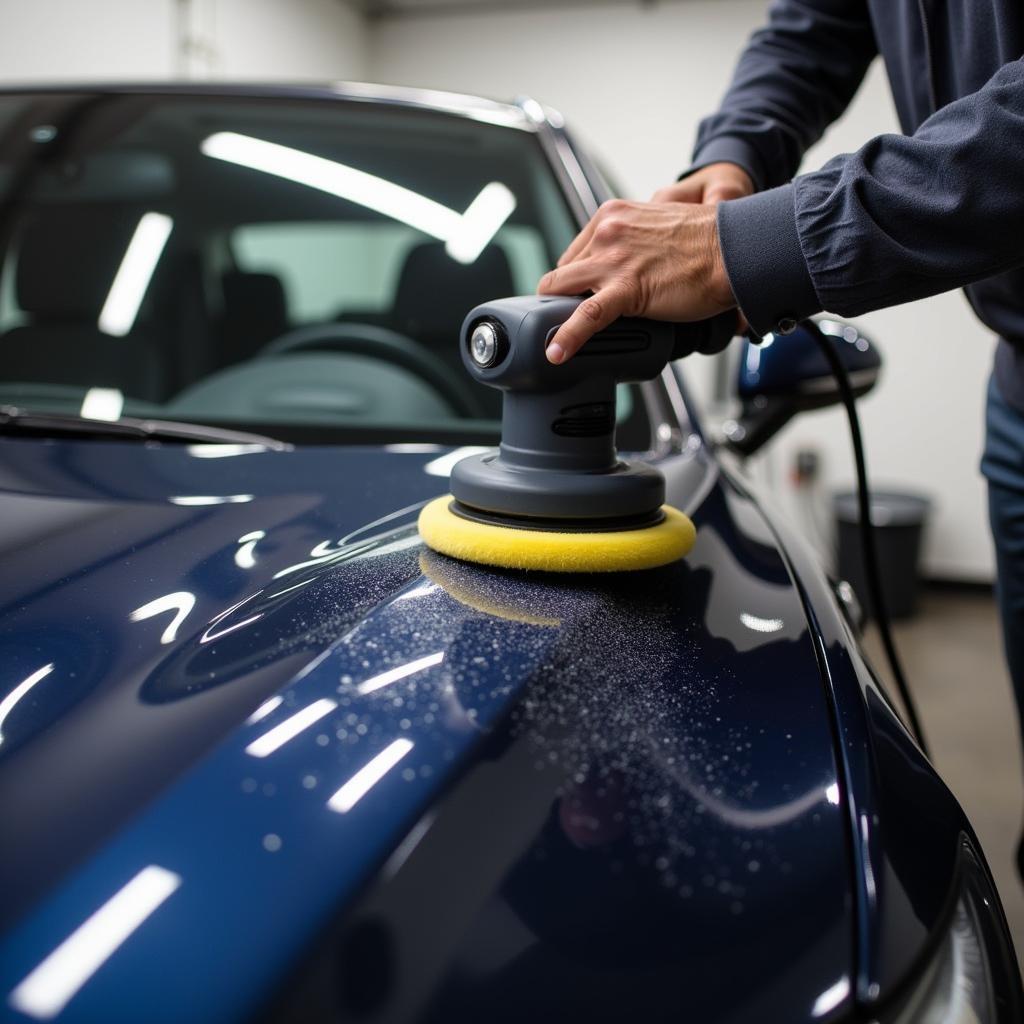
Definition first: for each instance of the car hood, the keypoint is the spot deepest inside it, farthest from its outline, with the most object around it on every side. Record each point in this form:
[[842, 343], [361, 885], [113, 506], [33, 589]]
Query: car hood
[[234, 681]]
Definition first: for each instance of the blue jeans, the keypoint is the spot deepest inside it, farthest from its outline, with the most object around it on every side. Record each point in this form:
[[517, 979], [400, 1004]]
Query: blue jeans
[[1003, 466]]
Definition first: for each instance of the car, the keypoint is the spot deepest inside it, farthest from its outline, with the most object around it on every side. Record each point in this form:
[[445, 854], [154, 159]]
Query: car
[[263, 755]]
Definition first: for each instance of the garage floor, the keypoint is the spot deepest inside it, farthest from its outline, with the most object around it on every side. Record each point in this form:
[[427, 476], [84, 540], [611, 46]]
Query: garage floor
[[952, 654]]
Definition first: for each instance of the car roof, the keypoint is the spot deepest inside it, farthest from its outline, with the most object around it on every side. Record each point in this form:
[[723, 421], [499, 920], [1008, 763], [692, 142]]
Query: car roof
[[524, 113]]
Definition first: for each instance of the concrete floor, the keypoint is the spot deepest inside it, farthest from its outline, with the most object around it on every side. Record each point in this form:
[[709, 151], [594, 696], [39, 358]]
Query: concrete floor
[[953, 659]]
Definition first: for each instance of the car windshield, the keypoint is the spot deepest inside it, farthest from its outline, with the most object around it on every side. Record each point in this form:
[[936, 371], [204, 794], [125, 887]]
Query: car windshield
[[294, 266]]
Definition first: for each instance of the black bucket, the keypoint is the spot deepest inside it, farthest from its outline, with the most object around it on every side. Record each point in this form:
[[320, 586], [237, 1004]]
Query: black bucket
[[899, 520]]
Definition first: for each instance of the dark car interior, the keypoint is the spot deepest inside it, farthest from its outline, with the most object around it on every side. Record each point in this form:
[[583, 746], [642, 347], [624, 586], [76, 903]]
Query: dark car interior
[[304, 293]]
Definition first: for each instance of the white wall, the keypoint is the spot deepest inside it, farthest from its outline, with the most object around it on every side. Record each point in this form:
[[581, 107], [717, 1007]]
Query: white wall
[[284, 39], [47, 40], [64, 39], [634, 81]]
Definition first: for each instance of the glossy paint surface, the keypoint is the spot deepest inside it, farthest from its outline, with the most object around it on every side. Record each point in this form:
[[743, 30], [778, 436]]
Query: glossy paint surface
[[906, 825], [669, 732]]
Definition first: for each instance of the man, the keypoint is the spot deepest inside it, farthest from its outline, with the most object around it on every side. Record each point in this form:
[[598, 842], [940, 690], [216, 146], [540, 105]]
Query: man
[[904, 217]]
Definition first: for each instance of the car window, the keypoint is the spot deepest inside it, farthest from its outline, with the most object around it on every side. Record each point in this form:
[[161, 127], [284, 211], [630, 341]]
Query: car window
[[297, 267], [331, 269]]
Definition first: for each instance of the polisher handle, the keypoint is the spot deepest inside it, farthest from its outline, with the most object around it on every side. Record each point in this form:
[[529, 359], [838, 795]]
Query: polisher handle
[[705, 336], [630, 349]]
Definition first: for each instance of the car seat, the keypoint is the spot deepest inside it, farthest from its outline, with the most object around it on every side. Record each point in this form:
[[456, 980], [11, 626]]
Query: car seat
[[67, 258], [255, 313], [435, 292]]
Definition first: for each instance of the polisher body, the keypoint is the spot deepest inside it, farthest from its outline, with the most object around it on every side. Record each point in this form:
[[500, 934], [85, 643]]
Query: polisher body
[[555, 495]]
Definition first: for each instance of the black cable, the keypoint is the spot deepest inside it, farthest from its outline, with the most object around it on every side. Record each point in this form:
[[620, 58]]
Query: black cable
[[872, 573]]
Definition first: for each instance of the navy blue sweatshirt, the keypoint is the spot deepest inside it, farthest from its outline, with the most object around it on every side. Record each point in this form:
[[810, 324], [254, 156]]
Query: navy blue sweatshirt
[[905, 216]]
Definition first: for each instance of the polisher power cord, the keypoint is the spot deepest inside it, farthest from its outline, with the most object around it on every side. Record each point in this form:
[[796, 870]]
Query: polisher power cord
[[872, 570]]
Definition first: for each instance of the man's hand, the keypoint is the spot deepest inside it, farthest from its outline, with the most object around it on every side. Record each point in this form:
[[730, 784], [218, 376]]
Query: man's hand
[[712, 184], [660, 260]]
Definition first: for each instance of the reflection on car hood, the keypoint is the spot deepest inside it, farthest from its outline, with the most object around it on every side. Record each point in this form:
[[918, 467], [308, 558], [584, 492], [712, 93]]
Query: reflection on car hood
[[240, 669]]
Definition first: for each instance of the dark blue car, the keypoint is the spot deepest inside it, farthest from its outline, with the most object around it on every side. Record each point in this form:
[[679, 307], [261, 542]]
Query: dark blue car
[[264, 756]]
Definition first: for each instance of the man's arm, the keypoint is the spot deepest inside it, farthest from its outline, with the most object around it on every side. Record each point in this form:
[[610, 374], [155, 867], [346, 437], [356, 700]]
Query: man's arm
[[796, 76], [900, 219]]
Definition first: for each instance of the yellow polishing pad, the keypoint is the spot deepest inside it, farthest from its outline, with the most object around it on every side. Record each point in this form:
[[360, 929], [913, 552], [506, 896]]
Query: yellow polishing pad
[[509, 548]]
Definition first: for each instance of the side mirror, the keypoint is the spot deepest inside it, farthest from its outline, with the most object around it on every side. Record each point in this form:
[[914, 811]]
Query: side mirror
[[788, 374]]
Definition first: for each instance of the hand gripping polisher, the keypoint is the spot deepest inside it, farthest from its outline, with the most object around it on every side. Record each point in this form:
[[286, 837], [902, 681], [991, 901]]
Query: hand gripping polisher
[[555, 496]]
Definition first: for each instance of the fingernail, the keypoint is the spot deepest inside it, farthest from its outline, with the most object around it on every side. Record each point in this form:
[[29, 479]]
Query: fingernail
[[555, 353]]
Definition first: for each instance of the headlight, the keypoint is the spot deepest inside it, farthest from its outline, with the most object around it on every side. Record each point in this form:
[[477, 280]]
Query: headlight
[[972, 977]]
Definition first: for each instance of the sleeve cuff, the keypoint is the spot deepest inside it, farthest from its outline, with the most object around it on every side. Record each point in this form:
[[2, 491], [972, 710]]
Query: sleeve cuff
[[765, 262], [730, 150]]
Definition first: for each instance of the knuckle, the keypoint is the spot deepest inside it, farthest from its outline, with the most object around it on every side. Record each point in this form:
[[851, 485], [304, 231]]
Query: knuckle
[[608, 231], [612, 206], [592, 310], [630, 295], [627, 286]]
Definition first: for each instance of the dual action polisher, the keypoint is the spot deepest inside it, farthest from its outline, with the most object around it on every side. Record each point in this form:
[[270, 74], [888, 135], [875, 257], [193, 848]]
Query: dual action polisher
[[555, 496]]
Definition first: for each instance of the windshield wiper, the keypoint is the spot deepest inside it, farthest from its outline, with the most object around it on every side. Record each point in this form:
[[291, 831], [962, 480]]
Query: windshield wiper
[[14, 421]]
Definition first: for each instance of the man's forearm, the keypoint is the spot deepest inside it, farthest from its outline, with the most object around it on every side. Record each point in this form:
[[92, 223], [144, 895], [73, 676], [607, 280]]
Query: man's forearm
[[796, 76], [901, 219]]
